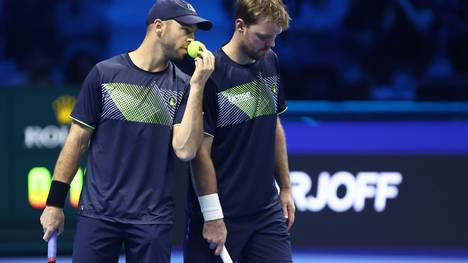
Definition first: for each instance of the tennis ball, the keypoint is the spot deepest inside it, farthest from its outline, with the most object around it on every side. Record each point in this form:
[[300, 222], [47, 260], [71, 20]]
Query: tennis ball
[[194, 47]]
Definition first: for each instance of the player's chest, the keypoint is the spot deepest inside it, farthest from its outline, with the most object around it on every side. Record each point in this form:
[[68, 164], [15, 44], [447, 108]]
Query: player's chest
[[242, 101], [146, 102]]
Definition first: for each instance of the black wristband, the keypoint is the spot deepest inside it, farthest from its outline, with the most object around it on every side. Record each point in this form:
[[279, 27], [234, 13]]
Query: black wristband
[[57, 194]]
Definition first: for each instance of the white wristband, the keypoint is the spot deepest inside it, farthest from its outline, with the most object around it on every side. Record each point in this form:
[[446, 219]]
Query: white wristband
[[210, 207]]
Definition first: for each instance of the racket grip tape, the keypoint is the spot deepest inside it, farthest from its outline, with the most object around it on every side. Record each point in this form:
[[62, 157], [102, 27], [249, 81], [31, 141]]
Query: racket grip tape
[[52, 248], [225, 255]]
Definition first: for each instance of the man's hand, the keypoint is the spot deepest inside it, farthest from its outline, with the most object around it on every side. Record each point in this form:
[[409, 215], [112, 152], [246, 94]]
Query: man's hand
[[204, 66], [52, 219], [215, 233], [287, 204]]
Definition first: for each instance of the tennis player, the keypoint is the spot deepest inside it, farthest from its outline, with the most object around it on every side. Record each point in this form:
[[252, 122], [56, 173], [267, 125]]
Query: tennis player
[[234, 201], [134, 111]]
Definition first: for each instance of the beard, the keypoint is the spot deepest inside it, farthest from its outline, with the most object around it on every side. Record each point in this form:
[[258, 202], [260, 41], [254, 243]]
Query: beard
[[171, 52], [254, 54], [175, 54], [178, 55]]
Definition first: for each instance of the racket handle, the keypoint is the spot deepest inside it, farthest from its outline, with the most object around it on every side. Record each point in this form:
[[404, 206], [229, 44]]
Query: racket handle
[[225, 255], [52, 248]]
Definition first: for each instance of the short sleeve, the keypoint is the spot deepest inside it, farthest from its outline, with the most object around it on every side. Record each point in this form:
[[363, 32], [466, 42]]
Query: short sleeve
[[87, 110]]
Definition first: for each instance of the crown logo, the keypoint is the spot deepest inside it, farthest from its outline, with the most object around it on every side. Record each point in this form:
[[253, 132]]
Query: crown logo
[[63, 107]]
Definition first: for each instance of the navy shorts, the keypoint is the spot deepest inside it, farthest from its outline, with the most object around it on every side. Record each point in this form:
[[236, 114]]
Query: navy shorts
[[101, 241], [260, 238]]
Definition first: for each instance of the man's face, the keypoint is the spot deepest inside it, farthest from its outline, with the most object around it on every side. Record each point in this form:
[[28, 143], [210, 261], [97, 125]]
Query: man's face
[[260, 37], [176, 38]]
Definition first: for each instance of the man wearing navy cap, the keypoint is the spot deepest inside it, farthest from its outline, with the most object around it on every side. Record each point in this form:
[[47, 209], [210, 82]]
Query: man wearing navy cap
[[134, 112]]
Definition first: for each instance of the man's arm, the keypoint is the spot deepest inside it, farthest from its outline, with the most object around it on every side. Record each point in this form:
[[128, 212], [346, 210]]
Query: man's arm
[[189, 133], [52, 217], [205, 184], [282, 175]]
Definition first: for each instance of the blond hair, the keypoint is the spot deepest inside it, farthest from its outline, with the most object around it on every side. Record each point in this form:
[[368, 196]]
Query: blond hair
[[274, 10]]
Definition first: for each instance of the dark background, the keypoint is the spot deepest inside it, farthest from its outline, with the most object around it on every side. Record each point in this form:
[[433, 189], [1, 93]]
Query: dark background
[[334, 50], [371, 86]]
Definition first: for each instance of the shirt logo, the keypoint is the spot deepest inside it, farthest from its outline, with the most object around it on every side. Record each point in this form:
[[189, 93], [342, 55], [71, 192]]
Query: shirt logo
[[240, 97], [172, 101], [274, 88]]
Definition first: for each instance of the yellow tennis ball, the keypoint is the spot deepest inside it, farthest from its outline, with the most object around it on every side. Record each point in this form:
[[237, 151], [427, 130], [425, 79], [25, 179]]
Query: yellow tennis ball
[[194, 47]]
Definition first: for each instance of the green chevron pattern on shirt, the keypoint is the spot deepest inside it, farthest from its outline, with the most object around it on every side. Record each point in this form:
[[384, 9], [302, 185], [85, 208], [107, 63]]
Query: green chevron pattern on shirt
[[138, 103], [252, 98]]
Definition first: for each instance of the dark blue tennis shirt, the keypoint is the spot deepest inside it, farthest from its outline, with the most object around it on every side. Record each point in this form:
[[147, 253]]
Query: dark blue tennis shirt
[[241, 105], [129, 176]]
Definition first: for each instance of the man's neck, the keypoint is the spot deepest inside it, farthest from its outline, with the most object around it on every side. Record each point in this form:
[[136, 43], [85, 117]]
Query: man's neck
[[234, 51], [149, 57]]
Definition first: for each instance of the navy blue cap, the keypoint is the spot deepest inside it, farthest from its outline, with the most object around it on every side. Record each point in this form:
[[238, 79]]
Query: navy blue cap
[[178, 10]]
